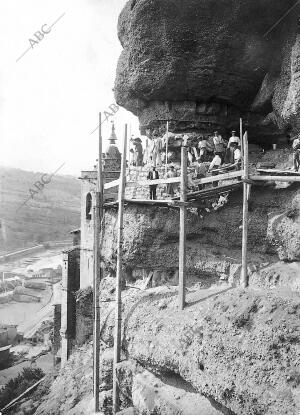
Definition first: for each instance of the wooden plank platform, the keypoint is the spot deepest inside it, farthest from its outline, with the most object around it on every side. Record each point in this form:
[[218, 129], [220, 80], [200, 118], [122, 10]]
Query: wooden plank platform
[[164, 202], [146, 202], [212, 192], [191, 197], [208, 179], [276, 172], [287, 178], [226, 176], [227, 168]]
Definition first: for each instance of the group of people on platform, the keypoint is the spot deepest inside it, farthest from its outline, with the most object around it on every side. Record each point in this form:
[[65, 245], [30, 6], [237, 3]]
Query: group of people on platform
[[208, 156], [151, 154], [213, 148], [223, 151]]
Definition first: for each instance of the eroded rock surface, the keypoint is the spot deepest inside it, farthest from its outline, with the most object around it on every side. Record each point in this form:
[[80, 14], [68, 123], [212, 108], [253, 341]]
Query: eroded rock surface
[[207, 63], [213, 242], [238, 348]]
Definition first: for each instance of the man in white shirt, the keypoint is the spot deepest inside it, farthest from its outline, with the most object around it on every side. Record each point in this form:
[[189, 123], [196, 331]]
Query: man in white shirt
[[237, 156], [214, 166], [200, 170], [153, 175], [296, 155]]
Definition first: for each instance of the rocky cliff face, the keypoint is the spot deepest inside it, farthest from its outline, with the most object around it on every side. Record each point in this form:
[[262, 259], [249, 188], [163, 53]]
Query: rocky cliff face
[[231, 352], [213, 239], [202, 64]]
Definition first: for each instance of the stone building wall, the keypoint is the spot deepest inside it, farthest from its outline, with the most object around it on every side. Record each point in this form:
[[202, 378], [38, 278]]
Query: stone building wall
[[88, 185], [56, 343], [71, 283]]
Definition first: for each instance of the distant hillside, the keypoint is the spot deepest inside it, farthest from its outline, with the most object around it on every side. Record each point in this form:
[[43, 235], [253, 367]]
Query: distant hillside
[[49, 215]]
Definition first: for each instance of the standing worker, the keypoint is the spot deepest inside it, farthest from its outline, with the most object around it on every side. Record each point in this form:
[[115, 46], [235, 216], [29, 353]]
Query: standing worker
[[234, 140], [219, 145], [137, 142], [200, 171], [237, 156], [202, 145], [296, 155], [214, 167], [171, 187], [153, 175], [156, 149]]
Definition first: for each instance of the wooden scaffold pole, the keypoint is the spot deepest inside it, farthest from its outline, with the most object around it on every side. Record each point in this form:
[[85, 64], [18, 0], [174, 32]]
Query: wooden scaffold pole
[[246, 194], [182, 229], [241, 138], [97, 215], [118, 306], [167, 148]]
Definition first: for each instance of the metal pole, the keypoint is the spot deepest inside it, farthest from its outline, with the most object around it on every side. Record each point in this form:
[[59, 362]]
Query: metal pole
[[167, 145], [97, 215], [118, 317], [246, 193], [182, 229]]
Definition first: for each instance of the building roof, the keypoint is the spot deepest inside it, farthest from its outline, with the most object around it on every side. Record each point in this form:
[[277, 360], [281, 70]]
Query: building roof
[[112, 151], [72, 249]]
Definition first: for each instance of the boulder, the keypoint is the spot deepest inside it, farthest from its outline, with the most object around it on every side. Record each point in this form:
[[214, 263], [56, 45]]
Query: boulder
[[239, 347], [152, 396], [202, 64]]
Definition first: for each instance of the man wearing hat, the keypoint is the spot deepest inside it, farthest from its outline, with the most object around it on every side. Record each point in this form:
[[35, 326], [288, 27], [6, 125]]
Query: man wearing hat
[[215, 166], [138, 149], [153, 175]]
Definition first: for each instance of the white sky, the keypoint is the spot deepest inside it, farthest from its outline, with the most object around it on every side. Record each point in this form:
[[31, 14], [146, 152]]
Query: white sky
[[50, 98]]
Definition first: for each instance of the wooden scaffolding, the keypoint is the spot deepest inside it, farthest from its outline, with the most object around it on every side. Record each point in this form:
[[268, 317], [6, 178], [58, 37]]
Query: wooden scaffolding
[[244, 180]]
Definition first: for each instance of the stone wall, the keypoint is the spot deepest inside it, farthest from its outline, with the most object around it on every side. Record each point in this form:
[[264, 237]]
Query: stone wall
[[135, 174]]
